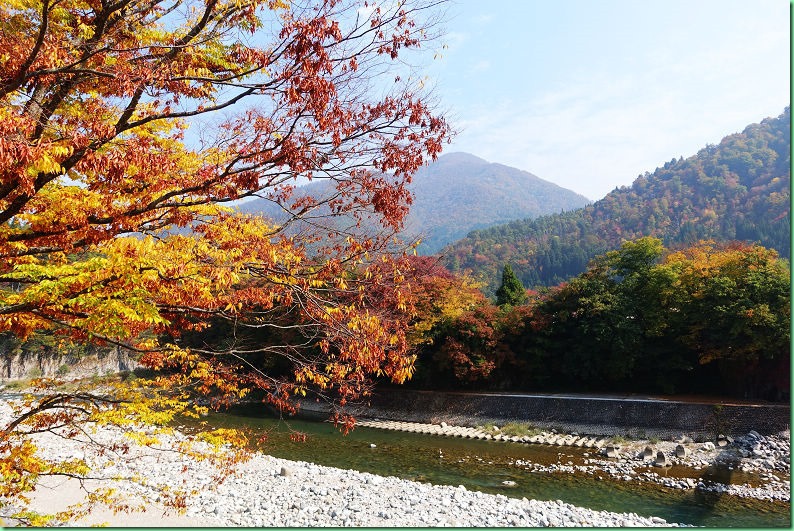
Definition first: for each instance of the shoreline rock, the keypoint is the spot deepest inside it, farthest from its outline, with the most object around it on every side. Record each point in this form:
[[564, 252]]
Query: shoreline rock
[[750, 453]]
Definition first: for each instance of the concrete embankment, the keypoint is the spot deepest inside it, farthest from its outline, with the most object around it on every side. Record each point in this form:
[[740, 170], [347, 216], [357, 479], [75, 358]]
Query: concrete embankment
[[477, 433], [768, 458], [595, 415]]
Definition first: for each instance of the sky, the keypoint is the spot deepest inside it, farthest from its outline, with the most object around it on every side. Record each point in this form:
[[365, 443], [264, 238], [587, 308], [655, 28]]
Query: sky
[[589, 94]]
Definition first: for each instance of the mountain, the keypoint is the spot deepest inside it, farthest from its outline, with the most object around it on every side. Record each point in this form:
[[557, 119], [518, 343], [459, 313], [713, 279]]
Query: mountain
[[459, 193], [737, 190]]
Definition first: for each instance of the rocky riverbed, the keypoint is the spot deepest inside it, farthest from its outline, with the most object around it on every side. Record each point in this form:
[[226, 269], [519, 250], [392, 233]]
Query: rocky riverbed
[[267, 491], [680, 463], [705, 466]]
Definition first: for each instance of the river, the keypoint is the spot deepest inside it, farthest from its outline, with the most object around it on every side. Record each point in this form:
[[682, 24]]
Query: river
[[485, 465]]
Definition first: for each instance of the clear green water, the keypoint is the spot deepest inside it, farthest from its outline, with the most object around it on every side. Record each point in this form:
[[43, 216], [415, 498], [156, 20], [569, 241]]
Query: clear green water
[[484, 465]]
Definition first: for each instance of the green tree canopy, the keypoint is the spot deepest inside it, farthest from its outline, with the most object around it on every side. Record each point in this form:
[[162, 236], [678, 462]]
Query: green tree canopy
[[511, 291]]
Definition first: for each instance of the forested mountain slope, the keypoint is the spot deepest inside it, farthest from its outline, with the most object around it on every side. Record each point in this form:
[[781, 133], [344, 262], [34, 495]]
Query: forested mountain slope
[[459, 193], [737, 190]]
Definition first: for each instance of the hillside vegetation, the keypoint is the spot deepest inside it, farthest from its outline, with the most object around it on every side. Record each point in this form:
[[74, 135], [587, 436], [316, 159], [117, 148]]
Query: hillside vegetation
[[737, 190], [706, 319]]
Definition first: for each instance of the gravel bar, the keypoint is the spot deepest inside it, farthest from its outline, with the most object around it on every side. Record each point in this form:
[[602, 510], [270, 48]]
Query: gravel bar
[[268, 491]]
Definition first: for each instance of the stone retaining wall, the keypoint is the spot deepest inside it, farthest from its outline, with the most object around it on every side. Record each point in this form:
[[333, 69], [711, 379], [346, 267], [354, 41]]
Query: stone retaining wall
[[585, 414]]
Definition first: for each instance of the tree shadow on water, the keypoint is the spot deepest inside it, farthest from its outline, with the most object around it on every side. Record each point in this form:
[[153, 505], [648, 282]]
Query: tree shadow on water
[[716, 503]]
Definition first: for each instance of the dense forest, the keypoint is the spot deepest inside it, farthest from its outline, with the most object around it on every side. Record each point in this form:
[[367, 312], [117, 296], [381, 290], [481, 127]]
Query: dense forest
[[737, 190], [708, 319], [705, 319]]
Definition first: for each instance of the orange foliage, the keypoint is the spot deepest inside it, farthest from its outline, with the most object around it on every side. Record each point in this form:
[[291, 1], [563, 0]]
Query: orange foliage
[[126, 125]]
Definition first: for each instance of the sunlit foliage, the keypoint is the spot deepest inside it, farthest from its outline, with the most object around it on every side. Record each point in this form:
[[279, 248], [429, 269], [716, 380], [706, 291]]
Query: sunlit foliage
[[127, 125]]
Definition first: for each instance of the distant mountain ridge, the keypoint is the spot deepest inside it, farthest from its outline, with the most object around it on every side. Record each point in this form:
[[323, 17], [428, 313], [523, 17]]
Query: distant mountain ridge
[[459, 193], [737, 190]]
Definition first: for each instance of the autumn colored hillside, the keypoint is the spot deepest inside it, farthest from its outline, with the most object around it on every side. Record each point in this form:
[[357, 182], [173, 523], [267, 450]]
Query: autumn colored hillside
[[739, 189]]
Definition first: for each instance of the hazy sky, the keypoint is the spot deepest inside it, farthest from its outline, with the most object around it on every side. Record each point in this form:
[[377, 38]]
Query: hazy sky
[[588, 94]]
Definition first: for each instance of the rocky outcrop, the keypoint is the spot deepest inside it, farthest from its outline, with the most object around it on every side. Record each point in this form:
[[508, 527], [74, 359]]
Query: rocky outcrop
[[19, 361]]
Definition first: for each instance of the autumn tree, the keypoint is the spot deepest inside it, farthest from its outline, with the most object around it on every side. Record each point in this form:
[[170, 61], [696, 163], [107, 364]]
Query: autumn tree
[[734, 308], [611, 327], [127, 127], [455, 328], [439, 297], [708, 318]]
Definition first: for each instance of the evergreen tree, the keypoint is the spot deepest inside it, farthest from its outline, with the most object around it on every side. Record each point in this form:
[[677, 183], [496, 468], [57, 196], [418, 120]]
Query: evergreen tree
[[511, 291]]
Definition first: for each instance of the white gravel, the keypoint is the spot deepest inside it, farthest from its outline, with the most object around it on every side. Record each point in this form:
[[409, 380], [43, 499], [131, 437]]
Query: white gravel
[[268, 491], [313, 495]]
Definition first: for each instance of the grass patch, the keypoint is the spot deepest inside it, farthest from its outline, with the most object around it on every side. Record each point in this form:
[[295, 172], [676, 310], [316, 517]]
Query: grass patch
[[519, 429], [490, 429], [511, 429], [16, 385]]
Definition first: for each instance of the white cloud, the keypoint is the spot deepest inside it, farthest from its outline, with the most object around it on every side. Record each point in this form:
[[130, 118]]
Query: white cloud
[[366, 11], [593, 113], [596, 129], [591, 137]]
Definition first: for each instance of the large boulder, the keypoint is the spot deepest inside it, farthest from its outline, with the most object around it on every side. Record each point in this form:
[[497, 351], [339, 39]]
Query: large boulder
[[647, 453], [613, 452], [661, 460]]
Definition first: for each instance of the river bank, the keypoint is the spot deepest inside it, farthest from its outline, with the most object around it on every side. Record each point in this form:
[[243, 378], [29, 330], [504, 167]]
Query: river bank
[[268, 491], [679, 464], [632, 416], [690, 445]]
